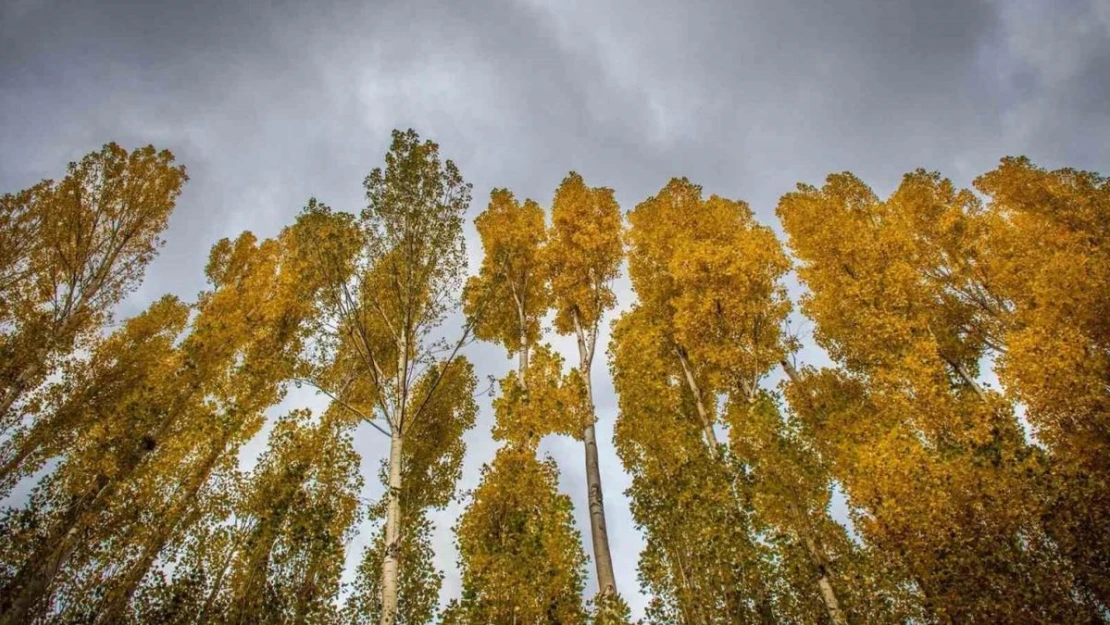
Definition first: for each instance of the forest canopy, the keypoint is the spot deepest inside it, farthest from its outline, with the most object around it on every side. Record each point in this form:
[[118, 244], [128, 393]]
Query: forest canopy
[[968, 501]]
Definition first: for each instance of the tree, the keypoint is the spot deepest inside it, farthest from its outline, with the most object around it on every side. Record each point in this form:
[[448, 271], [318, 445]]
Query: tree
[[511, 284], [418, 582], [72, 250], [583, 257], [791, 494], [1039, 277], [520, 556], [301, 503], [701, 562], [391, 276], [938, 463], [269, 548], [199, 402], [710, 313], [135, 355]]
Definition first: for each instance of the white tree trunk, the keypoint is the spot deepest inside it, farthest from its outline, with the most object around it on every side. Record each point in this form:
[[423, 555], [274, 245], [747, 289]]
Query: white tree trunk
[[606, 580], [390, 565]]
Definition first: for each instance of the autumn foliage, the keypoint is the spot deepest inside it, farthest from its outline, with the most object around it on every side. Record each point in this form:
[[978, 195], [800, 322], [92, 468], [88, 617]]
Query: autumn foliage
[[941, 454]]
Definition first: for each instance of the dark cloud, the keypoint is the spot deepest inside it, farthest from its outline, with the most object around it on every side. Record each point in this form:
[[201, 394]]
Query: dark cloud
[[269, 103]]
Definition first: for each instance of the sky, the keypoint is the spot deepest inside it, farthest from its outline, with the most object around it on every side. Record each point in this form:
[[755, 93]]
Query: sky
[[271, 103]]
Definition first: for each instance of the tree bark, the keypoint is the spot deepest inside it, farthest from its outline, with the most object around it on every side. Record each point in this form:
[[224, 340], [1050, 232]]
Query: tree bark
[[392, 532], [522, 357], [703, 413], [606, 580], [832, 606]]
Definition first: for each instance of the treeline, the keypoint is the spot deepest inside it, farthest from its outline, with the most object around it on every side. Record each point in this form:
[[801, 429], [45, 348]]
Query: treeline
[[969, 503]]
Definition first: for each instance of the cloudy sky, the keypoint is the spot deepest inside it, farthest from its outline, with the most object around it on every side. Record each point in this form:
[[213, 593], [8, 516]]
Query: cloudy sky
[[270, 103]]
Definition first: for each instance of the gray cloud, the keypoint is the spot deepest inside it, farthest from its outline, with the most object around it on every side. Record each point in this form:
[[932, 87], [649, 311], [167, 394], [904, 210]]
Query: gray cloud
[[269, 103]]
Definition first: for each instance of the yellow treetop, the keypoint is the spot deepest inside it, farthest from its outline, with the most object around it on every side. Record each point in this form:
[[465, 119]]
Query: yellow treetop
[[714, 274], [513, 236], [584, 254]]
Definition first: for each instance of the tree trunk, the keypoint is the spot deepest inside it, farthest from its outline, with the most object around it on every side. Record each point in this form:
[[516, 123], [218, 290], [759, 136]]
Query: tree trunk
[[703, 413], [522, 364], [606, 580], [836, 616], [392, 532]]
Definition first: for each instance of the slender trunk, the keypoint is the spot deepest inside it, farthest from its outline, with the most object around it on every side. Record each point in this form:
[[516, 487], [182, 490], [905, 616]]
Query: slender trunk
[[522, 357], [966, 377], [606, 580], [832, 606], [763, 601], [392, 532], [703, 413]]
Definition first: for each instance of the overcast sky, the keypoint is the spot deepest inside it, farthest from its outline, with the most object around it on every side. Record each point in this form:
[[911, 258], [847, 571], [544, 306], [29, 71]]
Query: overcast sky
[[270, 103]]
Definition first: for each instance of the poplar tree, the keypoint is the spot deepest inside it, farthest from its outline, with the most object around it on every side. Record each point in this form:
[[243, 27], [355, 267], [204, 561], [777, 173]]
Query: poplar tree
[[520, 556], [72, 249], [392, 274], [938, 462], [1039, 278], [583, 256], [133, 356], [430, 469], [155, 444], [708, 278], [701, 562]]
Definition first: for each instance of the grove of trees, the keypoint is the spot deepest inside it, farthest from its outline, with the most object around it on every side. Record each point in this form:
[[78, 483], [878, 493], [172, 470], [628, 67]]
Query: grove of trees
[[968, 501]]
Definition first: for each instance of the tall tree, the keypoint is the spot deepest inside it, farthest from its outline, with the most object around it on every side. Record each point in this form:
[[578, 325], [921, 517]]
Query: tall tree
[[938, 463], [702, 562], [135, 355], [1040, 279], [72, 250], [512, 284], [392, 275], [583, 256], [210, 393], [709, 282], [520, 556]]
